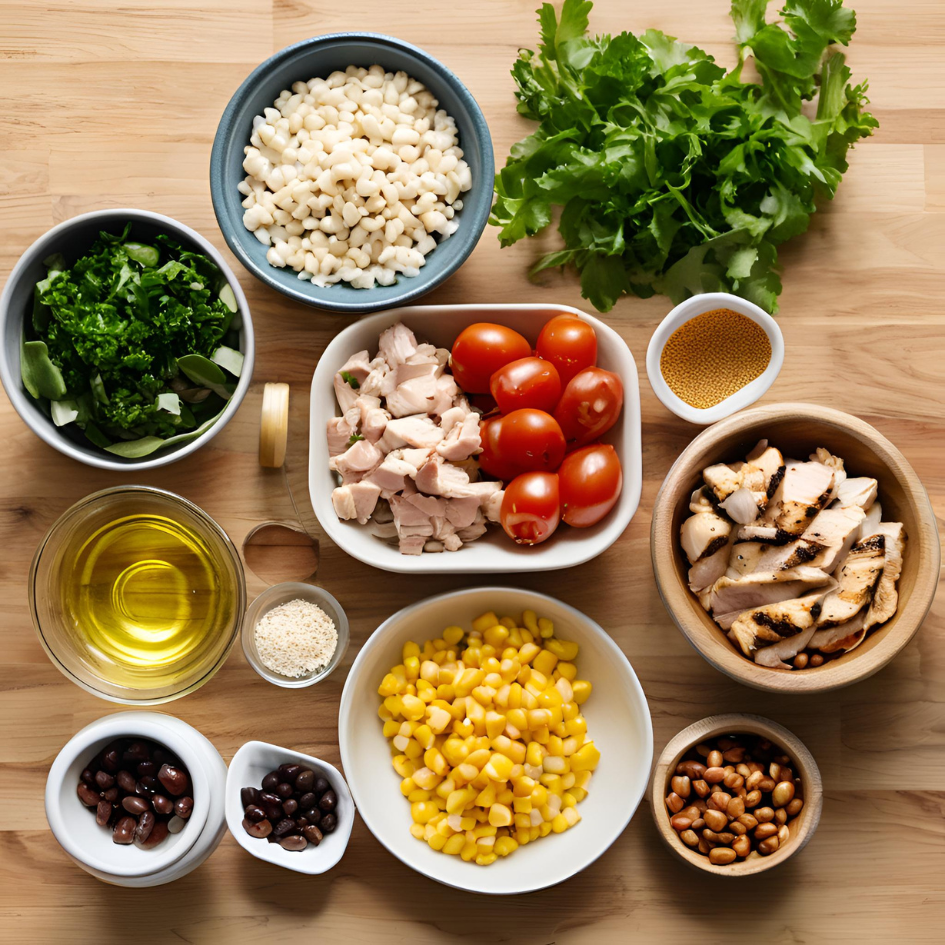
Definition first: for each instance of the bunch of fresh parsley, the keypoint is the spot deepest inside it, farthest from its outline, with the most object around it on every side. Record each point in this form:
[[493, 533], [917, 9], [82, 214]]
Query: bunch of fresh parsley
[[674, 176]]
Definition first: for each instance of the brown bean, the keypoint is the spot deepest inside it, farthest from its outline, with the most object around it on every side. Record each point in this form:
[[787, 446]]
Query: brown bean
[[764, 814], [284, 790], [136, 751], [749, 820], [691, 769], [164, 805], [702, 749], [328, 823], [767, 785], [710, 836], [293, 843], [174, 779], [763, 831], [726, 837], [700, 787], [290, 807], [289, 771], [743, 770], [259, 829], [249, 795], [328, 801], [304, 780], [88, 797], [780, 816], [111, 760], [689, 837], [135, 805], [787, 774], [158, 834], [737, 827], [111, 795], [767, 847], [714, 775], [753, 780], [794, 808], [721, 856], [287, 826], [754, 766], [742, 846], [783, 794], [146, 824], [734, 755], [704, 848], [184, 807], [716, 819], [314, 835], [673, 801], [753, 798], [126, 781], [103, 780], [679, 822], [736, 807], [784, 834], [681, 785], [774, 770], [103, 813], [734, 781], [124, 831], [691, 812], [270, 781], [725, 743], [816, 660], [800, 661], [719, 801], [698, 823], [714, 759]]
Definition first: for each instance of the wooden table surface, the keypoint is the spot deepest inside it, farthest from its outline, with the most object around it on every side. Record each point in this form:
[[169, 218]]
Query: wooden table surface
[[105, 105]]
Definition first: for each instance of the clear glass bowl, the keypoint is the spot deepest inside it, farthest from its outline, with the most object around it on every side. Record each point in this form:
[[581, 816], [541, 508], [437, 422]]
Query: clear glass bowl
[[155, 657], [281, 594]]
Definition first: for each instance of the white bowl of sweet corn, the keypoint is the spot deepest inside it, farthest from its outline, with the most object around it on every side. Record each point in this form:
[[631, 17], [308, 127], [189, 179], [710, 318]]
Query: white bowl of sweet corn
[[494, 739]]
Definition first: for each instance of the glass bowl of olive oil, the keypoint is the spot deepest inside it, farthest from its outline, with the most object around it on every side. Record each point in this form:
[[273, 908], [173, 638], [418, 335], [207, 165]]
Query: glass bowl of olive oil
[[137, 595]]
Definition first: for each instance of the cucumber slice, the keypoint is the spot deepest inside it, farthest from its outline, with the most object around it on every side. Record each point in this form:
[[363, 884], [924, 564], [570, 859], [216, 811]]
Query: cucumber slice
[[169, 402], [98, 389], [142, 253], [40, 376], [229, 359], [63, 412], [227, 297]]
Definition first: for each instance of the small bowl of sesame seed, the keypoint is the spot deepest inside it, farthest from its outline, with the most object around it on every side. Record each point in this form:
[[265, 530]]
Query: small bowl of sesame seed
[[712, 355], [294, 634]]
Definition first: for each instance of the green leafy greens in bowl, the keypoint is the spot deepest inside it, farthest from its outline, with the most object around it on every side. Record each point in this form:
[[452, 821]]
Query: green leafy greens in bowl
[[674, 175], [128, 344]]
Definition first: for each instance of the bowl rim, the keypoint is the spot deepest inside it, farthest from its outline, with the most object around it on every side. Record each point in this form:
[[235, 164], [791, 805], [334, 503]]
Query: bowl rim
[[834, 674], [234, 825], [473, 224], [631, 457], [737, 723], [348, 696], [282, 593], [200, 514], [689, 309], [10, 371]]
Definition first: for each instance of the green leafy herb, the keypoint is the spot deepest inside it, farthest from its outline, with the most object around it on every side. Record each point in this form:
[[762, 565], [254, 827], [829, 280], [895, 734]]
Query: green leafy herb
[[116, 340], [354, 438], [674, 176], [350, 380]]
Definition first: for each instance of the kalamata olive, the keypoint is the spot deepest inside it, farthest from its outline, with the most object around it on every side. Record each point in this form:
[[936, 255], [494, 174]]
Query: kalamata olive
[[146, 768], [302, 822], [304, 780], [124, 831], [258, 829], [271, 780], [271, 803], [158, 833], [146, 824], [320, 786], [284, 790], [294, 843], [126, 781], [289, 772], [111, 795], [328, 823], [312, 834], [137, 751], [103, 780], [175, 825], [87, 777], [328, 801], [162, 804], [184, 807], [88, 797], [161, 756], [307, 800], [290, 806], [103, 813], [174, 779], [135, 805], [147, 786], [111, 760], [285, 827], [249, 795], [254, 813], [313, 815]]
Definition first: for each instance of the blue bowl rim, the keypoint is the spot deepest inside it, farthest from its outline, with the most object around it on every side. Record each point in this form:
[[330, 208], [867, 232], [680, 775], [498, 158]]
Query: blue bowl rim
[[474, 225]]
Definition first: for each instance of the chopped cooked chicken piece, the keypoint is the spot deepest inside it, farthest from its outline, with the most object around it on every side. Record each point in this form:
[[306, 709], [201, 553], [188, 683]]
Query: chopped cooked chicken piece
[[391, 475], [447, 393], [703, 534], [348, 379], [341, 429], [886, 597], [462, 441], [858, 577], [701, 500], [396, 344], [374, 382], [474, 531], [870, 524], [419, 431], [374, 424], [774, 622], [461, 512], [805, 489], [431, 506], [744, 506], [798, 552], [706, 571], [416, 368], [860, 491], [723, 479], [774, 655], [455, 415], [727, 596], [438, 478], [766, 534], [358, 459], [844, 636], [744, 557], [770, 462], [412, 544], [355, 501], [835, 530]]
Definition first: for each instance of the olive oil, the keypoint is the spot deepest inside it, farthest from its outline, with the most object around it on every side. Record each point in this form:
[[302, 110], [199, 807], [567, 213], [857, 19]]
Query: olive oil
[[146, 600]]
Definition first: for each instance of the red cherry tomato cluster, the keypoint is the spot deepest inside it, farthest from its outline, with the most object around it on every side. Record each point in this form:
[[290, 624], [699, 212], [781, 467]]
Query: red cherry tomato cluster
[[547, 407]]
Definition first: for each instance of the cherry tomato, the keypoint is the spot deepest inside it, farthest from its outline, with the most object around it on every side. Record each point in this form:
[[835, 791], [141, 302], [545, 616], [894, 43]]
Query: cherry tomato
[[569, 343], [528, 382], [480, 350], [589, 406], [590, 482], [522, 441], [531, 509]]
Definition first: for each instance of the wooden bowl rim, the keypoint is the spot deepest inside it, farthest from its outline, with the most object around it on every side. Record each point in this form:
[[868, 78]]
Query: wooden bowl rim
[[835, 674], [735, 723]]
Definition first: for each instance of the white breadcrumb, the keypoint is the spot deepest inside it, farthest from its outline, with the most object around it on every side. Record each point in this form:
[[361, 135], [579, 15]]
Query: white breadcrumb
[[295, 638]]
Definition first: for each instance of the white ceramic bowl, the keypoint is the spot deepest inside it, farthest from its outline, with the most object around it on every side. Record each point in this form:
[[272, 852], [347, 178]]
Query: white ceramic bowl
[[684, 312], [494, 552], [282, 594], [247, 769], [618, 719], [91, 846]]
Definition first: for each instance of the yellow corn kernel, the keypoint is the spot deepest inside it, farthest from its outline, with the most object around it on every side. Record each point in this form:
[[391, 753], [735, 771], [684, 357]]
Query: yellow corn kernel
[[544, 828], [437, 841], [479, 757], [567, 780], [500, 815], [559, 824], [515, 637], [567, 800], [404, 766], [484, 830], [484, 622], [495, 724], [445, 788], [483, 695], [412, 708], [389, 686], [407, 786], [541, 735], [412, 666], [496, 635], [453, 635], [424, 735], [423, 811], [539, 795], [416, 830], [486, 797], [582, 689], [417, 795], [499, 767], [564, 649], [485, 859], [585, 758], [534, 754], [504, 846], [522, 805], [430, 672], [578, 794], [463, 728], [546, 628], [454, 845], [438, 719], [547, 699], [391, 728], [486, 653], [528, 652], [458, 800], [545, 662], [582, 779], [411, 649], [571, 815], [530, 620], [567, 670], [555, 746], [576, 728], [518, 718]]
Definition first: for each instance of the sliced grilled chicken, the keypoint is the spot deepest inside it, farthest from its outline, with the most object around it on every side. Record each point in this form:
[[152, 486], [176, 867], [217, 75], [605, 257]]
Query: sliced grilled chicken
[[821, 455], [767, 534], [835, 530], [770, 462], [886, 597], [858, 576], [805, 489], [744, 558], [760, 588], [774, 622], [723, 479], [846, 636], [795, 553], [859, 492], [775, 654], [703, 534], [706, 571], [870, 524]]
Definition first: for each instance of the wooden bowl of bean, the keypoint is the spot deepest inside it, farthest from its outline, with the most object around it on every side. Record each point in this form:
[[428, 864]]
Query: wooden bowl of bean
[[736, 795]]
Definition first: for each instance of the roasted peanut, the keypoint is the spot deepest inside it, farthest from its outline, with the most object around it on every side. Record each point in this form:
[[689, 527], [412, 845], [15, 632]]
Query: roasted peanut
[[734, 755], [794, 808], [737, 828], [742, 846], [713, 775], [763, 831], [753, 798], [690, 838], [749, 820], [784, 833], [736, 807], [703, 750], [714, 760], [719, 801], [817, 660], [721, 855], [767, 847], [674, 802], [780, 816], [682, 785], [691, 769], [716, 819], [680, 823], [700, 787], [698, 823], [800, 661]]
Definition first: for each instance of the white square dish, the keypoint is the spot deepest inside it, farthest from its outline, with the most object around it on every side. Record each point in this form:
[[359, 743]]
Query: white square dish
[[494, 552]]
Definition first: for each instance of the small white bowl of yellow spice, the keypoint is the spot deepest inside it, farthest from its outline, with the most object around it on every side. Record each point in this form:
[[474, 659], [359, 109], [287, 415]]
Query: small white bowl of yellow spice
[[294, 634], [712, 355]]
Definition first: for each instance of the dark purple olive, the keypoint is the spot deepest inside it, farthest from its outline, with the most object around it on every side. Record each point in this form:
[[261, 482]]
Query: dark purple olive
[[87, 777], [147, 786], [313, 815], [258, 829], [88, 797], [320, 786], [137, 751], [271, 780], [285, 827], [293, 843], [135, 805], [249, 795], [254, 813], [103, 813], [307, 800], [174, 779], [289, 772], [158, 833], [184, 807], [111, 760], [312, 834], [328, 801], [111, 795], [124, 830], [328, 823], [146, 824], [284, 790], [162, 804], [304, 780], [290, 806], [126, 781], [103, 780]]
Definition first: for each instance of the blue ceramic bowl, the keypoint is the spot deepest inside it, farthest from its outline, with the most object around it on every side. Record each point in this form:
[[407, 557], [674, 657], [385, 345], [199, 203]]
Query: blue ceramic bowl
[[318, 57]]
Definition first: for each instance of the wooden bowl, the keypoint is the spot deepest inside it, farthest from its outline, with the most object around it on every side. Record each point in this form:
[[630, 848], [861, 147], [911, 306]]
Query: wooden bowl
[[802, 827], [798, 429]]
